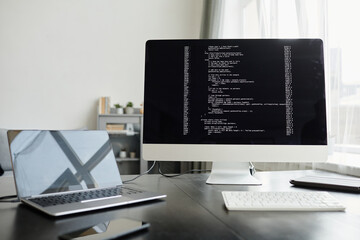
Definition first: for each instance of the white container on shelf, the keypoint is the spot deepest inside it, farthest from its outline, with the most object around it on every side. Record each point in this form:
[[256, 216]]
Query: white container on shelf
[[120, 111], [129, 110], [122, 154]]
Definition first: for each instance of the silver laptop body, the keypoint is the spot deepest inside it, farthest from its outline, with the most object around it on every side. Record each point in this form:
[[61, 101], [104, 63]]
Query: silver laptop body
[[53, 164]]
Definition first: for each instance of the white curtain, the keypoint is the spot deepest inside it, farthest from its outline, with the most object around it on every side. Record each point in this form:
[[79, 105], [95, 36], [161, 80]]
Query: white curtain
[[266, 19], [335, 22]]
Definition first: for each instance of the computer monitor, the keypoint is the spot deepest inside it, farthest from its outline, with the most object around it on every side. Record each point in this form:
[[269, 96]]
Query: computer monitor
[[234, 101]]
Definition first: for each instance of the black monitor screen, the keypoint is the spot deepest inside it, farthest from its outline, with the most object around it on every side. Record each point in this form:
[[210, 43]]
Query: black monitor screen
[[245, 91]]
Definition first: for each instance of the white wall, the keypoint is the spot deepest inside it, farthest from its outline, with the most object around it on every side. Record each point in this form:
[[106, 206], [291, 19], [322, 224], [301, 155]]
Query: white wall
[[58, 57]]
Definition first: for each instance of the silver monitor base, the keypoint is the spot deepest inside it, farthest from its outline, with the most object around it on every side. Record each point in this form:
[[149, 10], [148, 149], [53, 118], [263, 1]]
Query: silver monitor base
[[234, 173]]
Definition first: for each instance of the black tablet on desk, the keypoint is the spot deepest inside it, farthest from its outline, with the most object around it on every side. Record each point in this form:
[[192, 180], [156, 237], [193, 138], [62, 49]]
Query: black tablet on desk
[[335, 183]]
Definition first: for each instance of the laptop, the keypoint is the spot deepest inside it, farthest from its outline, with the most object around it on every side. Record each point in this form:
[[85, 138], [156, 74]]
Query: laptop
[[66, 172]]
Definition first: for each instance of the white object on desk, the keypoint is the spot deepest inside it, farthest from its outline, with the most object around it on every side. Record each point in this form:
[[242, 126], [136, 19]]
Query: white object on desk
[[281, 201]]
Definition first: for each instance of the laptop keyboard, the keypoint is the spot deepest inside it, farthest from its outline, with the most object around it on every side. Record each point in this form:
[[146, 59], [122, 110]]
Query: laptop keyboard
[[88, 195]]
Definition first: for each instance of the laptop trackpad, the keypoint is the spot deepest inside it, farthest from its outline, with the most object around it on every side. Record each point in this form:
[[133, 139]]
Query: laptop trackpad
[[101, 199], [108, 201]]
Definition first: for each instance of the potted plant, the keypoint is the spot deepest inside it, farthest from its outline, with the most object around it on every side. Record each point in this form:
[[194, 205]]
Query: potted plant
[[129, 108], [122, 153], [119, 108]]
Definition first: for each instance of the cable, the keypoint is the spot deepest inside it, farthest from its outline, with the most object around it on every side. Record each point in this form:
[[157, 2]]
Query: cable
[[166, 175], [9, 201], [3, 199], [127, 181], [177, 175]]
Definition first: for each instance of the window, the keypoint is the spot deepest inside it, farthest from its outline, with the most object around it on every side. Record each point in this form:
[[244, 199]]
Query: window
[[344, 52], [333, 21]]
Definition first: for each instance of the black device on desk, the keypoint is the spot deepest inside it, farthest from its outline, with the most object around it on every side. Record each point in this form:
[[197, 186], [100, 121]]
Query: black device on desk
[[326, 182]]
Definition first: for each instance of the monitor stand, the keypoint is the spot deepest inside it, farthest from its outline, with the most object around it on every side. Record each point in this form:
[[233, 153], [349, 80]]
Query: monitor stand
[[234, 173]]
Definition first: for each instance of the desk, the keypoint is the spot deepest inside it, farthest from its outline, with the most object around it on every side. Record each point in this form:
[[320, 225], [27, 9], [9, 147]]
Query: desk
[[193, 210]]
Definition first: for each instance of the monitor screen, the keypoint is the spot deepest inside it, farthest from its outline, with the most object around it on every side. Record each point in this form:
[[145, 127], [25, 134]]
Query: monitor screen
[[235, 92]]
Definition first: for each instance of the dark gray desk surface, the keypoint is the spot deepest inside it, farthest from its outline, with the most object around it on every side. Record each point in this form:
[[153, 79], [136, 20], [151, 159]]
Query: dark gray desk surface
[[193, 210]]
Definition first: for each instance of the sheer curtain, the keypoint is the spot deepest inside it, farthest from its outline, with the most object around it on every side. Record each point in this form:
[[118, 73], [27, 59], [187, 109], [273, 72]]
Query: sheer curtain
[[335, 22], [266, 19], [344, 81]]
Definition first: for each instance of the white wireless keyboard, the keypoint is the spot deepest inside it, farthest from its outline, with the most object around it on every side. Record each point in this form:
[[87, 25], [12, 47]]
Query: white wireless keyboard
[[281, 201]]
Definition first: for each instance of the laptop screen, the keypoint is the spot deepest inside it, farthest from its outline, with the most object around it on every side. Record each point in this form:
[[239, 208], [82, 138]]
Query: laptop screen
[[57, 161]]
